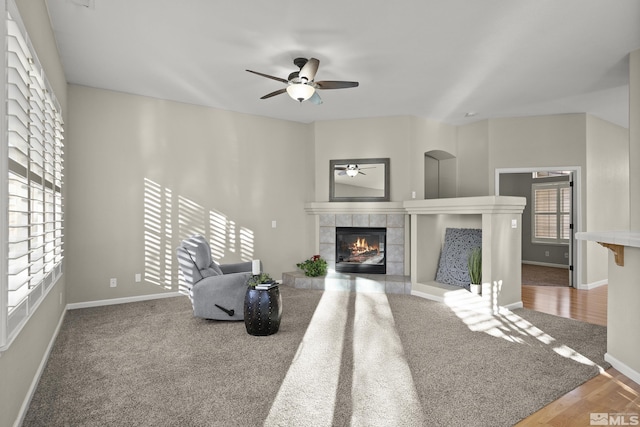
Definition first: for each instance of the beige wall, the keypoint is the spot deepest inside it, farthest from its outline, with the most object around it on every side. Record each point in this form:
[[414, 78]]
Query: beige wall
[[473, 160], [634, 138], [224, 174], [364, 138], [607, 188], [19, 364], [522, 142]]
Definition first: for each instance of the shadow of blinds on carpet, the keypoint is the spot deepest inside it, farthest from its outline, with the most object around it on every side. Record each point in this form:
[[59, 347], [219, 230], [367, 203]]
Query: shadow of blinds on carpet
[[382, 388], [475, 312]]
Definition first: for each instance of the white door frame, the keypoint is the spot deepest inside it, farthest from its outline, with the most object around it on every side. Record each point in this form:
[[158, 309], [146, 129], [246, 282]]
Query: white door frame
[[577, 209]]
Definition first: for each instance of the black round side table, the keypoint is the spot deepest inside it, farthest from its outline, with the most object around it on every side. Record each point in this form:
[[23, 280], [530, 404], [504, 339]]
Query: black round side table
[[262, 311]]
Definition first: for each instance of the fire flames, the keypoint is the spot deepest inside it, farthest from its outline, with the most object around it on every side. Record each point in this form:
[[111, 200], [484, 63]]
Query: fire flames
[[361, 246]]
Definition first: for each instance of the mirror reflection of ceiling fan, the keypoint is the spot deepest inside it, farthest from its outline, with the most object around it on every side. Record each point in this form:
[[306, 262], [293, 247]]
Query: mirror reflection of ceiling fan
[[351, 170], [301, 85]]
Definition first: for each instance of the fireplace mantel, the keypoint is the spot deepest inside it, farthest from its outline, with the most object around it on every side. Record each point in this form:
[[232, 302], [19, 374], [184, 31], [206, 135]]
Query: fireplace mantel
[[319, 208]]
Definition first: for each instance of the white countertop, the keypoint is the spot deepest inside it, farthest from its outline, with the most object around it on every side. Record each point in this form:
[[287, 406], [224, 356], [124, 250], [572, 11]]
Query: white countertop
[[623, 238]]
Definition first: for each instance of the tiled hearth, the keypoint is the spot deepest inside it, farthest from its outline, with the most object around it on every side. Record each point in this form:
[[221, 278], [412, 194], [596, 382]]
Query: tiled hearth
[[375, 283]]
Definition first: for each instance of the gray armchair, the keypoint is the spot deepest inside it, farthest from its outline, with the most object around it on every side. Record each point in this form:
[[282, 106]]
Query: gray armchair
[[216, 291]]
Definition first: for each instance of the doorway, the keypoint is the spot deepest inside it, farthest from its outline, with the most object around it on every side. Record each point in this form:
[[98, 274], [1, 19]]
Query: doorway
[[543, 254]]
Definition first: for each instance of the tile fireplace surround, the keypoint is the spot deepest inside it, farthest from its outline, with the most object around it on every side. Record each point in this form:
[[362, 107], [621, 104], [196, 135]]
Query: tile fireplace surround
[[389, 215]]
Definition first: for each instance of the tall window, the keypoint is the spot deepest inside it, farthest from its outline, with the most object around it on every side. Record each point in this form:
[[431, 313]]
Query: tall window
[[551, 212], [33, 182]]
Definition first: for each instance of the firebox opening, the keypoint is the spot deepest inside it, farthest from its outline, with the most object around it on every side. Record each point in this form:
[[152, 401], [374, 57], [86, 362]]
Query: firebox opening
[[361, 250]]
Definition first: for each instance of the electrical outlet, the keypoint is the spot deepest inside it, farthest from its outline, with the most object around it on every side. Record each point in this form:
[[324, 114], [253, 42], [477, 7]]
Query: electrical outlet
[[514, 223], [546, 253], [138, 277], [274, 224], [113, 283], [566, 254]]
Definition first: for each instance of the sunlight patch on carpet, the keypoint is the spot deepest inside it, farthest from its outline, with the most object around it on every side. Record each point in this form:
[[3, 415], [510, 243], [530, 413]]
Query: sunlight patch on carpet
[[381, 376], [382, 387], [308, 393], [480, 315]]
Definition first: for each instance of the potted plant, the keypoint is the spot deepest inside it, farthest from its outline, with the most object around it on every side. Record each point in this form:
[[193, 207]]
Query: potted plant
[[259, 279], [314, 266], [474, 263]]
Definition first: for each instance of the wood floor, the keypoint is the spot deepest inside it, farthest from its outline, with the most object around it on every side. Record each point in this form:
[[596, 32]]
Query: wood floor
[[610, 392]]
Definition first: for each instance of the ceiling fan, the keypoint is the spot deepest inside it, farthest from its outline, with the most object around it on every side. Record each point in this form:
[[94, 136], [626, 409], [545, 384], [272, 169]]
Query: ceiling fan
[[301, 85], [351, 170]]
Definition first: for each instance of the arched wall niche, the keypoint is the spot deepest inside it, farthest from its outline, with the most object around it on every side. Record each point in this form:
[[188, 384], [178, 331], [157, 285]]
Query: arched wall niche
[[440, 174]]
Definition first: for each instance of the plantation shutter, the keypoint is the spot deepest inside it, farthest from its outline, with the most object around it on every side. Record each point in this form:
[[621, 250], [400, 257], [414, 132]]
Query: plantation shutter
[[34, 181], [551, 212]]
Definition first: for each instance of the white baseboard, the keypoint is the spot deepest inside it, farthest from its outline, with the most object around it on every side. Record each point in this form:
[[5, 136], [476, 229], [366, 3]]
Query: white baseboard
[[36, 378], [593, 285], [100, 303], [437, 298], [623, 368], [546, 264], [514, 305], [427, 296]]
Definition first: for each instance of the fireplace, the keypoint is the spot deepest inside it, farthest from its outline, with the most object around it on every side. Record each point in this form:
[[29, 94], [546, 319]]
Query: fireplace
[[361, 250]]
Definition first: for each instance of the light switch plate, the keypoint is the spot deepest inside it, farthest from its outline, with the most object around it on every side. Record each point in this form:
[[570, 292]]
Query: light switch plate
[[514, 223]]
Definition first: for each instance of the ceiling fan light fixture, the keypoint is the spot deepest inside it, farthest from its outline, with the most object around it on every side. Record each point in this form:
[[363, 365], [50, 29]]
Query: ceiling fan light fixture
[[300, 91], [352, 170]]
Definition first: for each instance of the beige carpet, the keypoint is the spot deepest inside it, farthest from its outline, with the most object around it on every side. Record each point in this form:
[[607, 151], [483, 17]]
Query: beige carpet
[[339, 359]]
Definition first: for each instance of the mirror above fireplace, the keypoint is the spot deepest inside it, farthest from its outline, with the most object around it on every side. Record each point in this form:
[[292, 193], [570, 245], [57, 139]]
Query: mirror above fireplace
[[359, 180]]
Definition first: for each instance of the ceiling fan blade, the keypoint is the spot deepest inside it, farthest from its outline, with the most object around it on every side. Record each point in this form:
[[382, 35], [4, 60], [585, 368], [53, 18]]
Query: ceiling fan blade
[[269, 77], [315, 98], [329, 84], [309, 70], [274, 93]]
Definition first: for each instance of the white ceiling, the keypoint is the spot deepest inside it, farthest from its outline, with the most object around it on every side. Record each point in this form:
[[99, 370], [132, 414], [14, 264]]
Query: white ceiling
[[437, 59]]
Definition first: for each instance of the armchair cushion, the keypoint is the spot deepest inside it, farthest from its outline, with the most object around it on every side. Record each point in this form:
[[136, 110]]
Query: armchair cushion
[[213, 270]]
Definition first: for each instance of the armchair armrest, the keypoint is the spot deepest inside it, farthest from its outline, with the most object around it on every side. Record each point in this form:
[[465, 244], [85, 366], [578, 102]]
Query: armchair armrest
[[239, 267]]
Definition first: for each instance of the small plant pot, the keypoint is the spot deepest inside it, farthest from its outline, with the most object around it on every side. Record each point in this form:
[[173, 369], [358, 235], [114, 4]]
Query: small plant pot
[[475, 289]]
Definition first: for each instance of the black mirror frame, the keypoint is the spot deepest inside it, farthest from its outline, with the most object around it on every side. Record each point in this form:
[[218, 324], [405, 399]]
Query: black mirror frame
[[385, 161]]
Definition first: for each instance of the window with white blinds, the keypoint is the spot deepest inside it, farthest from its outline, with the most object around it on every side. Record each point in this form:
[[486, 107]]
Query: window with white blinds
[[551, 207], [33, 181]]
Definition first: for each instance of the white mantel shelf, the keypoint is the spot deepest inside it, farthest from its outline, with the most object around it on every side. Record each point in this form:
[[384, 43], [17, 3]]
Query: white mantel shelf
[[318, 208], [467, 205], [457, 205]]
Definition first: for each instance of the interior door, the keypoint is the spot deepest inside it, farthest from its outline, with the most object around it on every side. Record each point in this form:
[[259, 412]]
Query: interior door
[[572, 230]]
